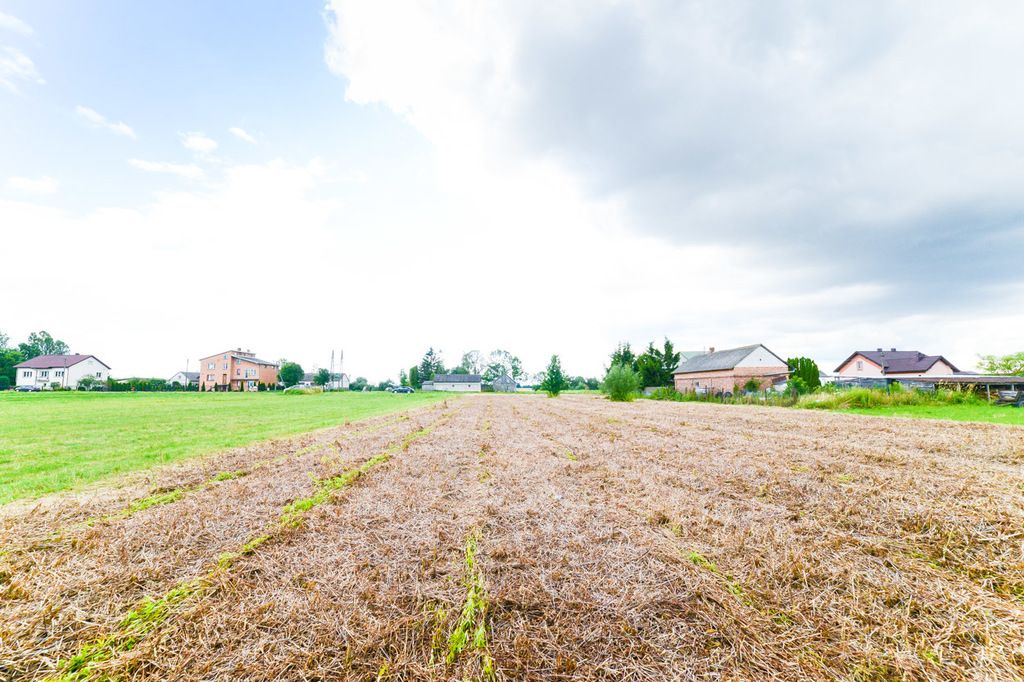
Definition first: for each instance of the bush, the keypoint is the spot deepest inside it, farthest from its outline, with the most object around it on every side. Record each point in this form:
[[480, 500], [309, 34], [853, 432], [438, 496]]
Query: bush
[[621, 383], [666, 393], [5, 383], [896, 396]]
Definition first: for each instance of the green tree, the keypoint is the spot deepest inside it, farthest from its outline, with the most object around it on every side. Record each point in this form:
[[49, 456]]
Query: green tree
[[414, 378], [472, 362], [501, 362], [623, 355], [290, 373], [385, 385], [622, 383], [432, 364], [669, 363], [9, 357], [403, 378], [554, 379], [41, 343], [648, 366], [322, 378], [359, 384], [807, 370], [1009, 365], [87, 383]]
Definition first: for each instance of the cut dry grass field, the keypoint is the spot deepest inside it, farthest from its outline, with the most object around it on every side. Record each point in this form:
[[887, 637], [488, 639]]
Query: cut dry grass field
[[519, 537], [53, 441]]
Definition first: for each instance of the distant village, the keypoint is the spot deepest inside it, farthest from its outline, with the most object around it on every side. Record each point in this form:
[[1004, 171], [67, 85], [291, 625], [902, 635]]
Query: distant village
[[714, 372]]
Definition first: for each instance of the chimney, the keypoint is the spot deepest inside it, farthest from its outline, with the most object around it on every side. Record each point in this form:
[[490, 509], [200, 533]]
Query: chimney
[[711, 349]]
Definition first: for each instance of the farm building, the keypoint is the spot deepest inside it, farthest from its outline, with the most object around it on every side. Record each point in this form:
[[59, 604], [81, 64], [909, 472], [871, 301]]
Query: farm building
[[727, 371], [895, 364], [235, 370], [65, 370], [339, 381], [184, 379], [504, 384], [461, 383]]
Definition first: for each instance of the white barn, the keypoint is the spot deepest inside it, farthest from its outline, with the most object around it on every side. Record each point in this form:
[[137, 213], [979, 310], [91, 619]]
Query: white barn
[[65, 370], [460, 383]]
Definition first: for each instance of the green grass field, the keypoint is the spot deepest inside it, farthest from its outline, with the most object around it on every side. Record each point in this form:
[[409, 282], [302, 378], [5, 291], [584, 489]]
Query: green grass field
[[55, 441], [966, 413]]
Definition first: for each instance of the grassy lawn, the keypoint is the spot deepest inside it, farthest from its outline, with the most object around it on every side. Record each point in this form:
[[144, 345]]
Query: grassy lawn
[[55, 441], [967, 413]]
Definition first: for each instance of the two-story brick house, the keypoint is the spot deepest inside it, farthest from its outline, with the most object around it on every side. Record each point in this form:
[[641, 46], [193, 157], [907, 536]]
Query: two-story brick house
[[236, 370]]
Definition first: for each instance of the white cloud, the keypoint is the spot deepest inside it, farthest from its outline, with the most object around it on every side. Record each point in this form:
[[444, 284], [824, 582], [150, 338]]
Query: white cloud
[[242, 135], [16, 67], [198, 143], [184, 170], [100, 121], [41, 185], [12, 23], [778, 143]]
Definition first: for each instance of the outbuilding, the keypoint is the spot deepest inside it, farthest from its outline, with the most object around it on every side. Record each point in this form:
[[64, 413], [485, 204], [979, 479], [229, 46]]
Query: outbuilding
[[460, 383], [730, 370], [504, 384]]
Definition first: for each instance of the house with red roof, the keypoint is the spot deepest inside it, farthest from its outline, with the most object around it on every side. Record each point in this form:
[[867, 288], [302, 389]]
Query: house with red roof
[[44, 371], [895, 364]]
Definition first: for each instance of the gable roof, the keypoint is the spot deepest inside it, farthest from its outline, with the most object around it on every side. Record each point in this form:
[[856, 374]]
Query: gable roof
[[191, 376], [899, 361], [690, 354], [58, 361], [457, 378], [255, 361], [721, 359]]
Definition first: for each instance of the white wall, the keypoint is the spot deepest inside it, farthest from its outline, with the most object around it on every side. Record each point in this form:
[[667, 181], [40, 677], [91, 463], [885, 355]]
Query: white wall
[[458, 386], [761, 357], [70, 378]]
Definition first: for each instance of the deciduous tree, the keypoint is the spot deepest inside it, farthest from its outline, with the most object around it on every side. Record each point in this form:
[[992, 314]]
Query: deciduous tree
[[1011, 365], [807, 370], [290, 373], [322, 378]]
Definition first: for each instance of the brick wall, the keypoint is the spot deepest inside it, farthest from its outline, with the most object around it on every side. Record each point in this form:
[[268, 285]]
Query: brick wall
[[727, 379]]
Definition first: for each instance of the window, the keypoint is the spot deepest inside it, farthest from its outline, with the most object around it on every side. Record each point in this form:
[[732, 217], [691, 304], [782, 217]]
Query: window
[[98, 375], [58, 373], [860, 365], [238, 371], [209, 377], [26, 373], [212, 365], [44, 373], [225, 365]]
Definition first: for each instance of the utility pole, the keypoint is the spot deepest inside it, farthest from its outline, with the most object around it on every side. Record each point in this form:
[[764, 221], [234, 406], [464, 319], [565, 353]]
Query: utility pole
[[330, 378]]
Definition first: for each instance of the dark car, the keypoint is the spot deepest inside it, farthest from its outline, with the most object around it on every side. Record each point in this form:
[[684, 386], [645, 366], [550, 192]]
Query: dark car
[[27, 389], [404, 389]]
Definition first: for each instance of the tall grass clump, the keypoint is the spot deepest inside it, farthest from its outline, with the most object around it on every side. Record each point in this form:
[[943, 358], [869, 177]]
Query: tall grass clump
[[896, 396], [621, 383]]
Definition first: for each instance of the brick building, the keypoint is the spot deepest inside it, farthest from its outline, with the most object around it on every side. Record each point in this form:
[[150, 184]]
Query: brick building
[[236, 370], [728, 371]]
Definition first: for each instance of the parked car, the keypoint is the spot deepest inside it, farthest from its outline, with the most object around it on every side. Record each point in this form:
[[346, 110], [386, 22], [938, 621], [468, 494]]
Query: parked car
[[403, 389], [27, 389]]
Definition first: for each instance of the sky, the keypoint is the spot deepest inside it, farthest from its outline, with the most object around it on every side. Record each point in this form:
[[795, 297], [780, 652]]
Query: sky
[[177, 179]]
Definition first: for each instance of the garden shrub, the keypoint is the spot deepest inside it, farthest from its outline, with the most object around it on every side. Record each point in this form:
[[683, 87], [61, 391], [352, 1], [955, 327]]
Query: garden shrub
[[621, 383]]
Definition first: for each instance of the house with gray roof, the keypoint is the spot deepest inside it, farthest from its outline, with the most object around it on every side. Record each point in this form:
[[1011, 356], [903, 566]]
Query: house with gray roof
[[729, 370]]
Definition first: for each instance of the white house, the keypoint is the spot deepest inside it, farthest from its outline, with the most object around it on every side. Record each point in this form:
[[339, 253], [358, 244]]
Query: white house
[[65, 370], [185, 379], [461, 383]]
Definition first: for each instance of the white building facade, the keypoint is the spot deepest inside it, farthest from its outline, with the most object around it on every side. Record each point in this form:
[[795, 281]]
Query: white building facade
[[458, 383], [60, 371]]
